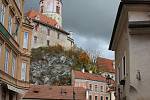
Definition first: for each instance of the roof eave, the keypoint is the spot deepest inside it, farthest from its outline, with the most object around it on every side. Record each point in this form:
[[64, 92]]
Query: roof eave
[[123, 2], [116, 24]]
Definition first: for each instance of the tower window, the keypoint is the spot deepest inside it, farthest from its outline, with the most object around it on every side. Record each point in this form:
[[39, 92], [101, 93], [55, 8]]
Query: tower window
[[47, 42], [48, 32], [35, 39], [58, 35], [42, 9], [58, 9]]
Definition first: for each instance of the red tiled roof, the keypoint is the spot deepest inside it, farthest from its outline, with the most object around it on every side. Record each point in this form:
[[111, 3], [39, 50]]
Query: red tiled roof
[[33, 14], [105, 64], [55, 92], [88, 76]]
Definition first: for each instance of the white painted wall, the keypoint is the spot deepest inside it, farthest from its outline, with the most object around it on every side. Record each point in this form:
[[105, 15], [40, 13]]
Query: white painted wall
[[42, 37]]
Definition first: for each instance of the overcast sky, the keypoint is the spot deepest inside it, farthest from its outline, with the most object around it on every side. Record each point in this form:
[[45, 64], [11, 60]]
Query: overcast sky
[[90, 21]]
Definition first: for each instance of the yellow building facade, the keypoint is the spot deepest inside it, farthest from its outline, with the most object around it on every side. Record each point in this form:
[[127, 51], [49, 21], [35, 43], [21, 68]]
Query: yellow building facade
[[15, 46]]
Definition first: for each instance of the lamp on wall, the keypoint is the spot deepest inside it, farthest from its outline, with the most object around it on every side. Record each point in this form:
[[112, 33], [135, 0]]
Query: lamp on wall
[[138, 75]]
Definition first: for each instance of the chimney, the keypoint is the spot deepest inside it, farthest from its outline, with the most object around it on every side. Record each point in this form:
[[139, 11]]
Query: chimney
[[90, 71], [83, 70]]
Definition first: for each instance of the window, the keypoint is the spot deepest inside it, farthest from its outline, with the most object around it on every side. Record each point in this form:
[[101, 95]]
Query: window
[[102, 89], [18, 3], [35, 39], [58, 9], [58, 35], [90, 86], [106, 98], [96, 88], [6, 60], [4, 93], [13, 64], [47, 42], [101, 97], [48, 32], [124, 66], [17, 28], [10, 24], [37, 26], [10, 96], [96, 98], [23, 71], [42, 9], [25, 42], [90, 97], [0, 50], [2, 13]]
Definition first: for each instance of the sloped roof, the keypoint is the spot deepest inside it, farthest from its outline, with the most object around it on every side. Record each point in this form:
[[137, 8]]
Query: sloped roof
[[88, 76], [105, 64], [55, 92], [44, 19]]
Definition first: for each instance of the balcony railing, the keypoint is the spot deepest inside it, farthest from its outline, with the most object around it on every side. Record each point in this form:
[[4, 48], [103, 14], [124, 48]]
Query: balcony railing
[[12, 81], [4, 31], [8, 37]]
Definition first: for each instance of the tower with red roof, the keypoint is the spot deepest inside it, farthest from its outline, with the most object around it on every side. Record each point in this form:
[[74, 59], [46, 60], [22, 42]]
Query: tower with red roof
[[52, 9]]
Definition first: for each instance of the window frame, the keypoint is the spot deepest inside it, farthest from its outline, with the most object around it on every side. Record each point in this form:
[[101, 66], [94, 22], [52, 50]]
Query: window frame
[[124, 66], [48, 31], [14, 64], [102, 98], [96, 88], [18, 3], [96, 98], [1, 46], [10, 23], [2, 13], [23, 71], [90, 97], [6, 62], [90, 87], [58, 9], [48, 42], [107, 98], [58, 35], [25, 40], [35, 39], [102, 88]]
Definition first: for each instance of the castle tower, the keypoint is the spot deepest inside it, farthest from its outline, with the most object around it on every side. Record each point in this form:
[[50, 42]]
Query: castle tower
[[52, 9]]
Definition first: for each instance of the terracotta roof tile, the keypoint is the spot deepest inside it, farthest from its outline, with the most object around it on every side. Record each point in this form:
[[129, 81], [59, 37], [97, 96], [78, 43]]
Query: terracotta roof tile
[[105, 64], [55, 92], [88, 76], [34, 14]]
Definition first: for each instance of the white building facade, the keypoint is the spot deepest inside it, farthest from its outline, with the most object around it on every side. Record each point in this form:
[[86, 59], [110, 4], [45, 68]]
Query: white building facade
[[130, 41], [47, 35]]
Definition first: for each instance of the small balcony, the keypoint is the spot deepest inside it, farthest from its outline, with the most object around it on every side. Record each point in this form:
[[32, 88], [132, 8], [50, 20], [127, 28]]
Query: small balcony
[[8, 79]]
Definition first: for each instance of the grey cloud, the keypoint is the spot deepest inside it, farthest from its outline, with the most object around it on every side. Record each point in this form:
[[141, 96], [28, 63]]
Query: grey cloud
[[89, 20]]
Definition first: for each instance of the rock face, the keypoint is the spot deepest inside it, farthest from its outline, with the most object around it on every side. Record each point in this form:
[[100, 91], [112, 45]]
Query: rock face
[[52, 69]]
